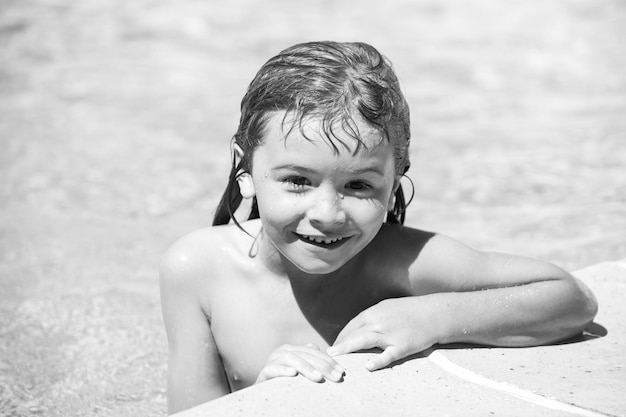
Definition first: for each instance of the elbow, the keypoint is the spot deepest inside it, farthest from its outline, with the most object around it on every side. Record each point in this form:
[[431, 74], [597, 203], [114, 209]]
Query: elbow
[[587, 304], [574, 308], [589, 309], [580, 312], [593, 306]]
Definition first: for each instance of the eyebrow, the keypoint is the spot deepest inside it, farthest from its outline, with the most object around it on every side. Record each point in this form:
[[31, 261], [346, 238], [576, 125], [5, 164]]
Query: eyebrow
[[295, 167]]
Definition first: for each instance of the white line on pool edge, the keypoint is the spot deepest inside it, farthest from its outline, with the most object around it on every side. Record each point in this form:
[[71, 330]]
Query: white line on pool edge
[[440, 360]]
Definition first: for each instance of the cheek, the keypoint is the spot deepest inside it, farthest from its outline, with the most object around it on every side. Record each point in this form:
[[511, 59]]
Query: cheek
[[274, 206], [371, 211]]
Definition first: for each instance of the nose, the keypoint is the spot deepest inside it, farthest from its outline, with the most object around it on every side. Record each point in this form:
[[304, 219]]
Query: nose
[[326, 208]]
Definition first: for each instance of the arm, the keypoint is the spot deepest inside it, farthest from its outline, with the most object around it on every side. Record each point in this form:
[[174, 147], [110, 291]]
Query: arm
[[195, 370], [502, 299], [472, 296]]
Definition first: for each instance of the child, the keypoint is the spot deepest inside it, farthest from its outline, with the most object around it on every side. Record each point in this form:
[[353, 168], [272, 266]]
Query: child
[[324, 266]]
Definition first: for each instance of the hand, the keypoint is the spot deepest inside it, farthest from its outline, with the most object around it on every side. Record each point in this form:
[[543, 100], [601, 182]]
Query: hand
[[308, 361], [398, 326]]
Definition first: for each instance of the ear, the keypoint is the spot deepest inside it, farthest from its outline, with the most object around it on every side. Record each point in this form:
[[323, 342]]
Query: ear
[[246, 185], [244, 179]]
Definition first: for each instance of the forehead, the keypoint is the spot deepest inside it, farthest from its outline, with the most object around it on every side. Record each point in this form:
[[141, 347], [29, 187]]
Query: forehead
[[307, 145], [352, 135]]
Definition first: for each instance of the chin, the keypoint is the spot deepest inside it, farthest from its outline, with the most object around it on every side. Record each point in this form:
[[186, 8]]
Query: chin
[[317, 268], [319, 271]]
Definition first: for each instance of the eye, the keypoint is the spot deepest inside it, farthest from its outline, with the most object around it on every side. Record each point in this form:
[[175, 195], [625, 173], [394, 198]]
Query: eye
[[296, 183], [358, 186]]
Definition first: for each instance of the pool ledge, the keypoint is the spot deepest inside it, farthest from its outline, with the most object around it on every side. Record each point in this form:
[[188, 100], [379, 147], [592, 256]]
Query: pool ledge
[[584, 377]]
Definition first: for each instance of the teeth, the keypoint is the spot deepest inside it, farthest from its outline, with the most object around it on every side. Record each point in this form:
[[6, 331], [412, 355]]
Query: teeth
[[325, 241]]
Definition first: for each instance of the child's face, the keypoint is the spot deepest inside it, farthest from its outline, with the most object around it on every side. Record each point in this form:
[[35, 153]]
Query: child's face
[[319, 207]]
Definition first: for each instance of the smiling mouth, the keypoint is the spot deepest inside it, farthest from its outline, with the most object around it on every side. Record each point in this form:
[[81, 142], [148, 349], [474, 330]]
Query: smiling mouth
[[324, 242]]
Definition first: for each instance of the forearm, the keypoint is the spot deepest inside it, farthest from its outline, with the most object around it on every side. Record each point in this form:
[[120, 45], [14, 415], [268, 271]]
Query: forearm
[[531, 314], [524, 314]]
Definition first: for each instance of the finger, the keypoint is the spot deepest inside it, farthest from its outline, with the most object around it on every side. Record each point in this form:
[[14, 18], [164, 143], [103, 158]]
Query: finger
[[359, 340], [309, 361], [316, 356], [310, 366], [275, 371], [388, 356], [323, 364]]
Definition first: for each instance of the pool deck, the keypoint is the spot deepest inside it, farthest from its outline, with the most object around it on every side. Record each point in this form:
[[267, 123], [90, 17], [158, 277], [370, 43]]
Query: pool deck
[[585, 377]]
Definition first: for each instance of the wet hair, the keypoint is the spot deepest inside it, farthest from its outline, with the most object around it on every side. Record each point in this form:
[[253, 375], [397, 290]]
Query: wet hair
[[331, 82]]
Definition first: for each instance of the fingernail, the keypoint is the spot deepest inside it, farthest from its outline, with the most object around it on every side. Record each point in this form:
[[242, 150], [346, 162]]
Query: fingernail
[[317, 375], [369, 366], [332, 350], [337, 374]]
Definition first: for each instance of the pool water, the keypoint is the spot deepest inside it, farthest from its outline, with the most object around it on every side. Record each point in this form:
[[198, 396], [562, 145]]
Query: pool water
[[115, 121]]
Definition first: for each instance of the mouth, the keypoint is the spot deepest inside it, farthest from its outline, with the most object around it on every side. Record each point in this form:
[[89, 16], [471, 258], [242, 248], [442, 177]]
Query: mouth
[[323, 241]]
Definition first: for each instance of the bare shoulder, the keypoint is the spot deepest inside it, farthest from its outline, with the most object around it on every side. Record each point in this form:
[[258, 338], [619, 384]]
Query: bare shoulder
[[447, 264], [200, 253], [438, 263]]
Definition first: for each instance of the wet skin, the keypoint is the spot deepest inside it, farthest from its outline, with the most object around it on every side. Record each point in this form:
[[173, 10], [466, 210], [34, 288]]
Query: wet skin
[[319, 256], [253, 307], [320, 208]]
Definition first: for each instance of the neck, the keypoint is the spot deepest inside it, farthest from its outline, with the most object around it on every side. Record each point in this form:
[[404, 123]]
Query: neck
[[327, 301]]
